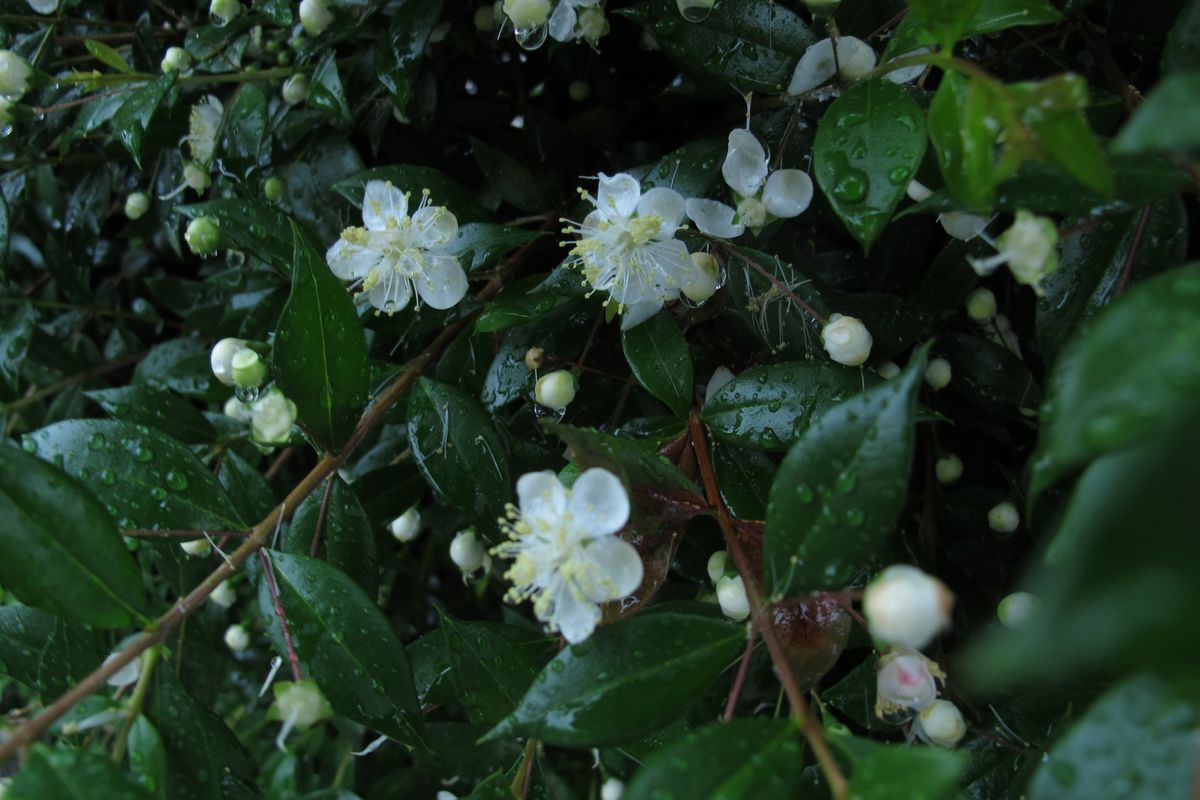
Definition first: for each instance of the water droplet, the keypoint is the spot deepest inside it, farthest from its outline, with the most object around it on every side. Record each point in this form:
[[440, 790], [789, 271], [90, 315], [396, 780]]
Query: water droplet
[[531, 38], [176, 480], [899, 176], [96, 441], [851, 186]]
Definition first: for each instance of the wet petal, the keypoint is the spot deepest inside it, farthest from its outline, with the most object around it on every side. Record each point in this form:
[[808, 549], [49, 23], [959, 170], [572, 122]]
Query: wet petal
[[745, 165], [788, 192], [618, 194], [350, 261], [574, 617], [856, 59], [383, 203], [442, 283], [637, 313], [541, 496], [667, 204], [713, 218], [562, 22], [390, 292], [906, 74], [815, 67], [616, 569], [435, 227], [598, 504]]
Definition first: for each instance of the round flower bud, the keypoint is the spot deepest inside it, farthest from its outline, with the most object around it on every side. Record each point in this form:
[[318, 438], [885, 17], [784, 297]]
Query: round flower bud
[[948, 468], [612, 789], [918, 191], [203, 235], [42, 7], [906, 607], [1029, 247], [196, 177], [938, 373], [1003, 518], [752, 212], [176, 59], [127, 674], [315, 16], [904, 681], [846, 340], [555, 390], [467, 552], [197, 547], [981, 305], [295, 89], [221, 359], [273, 189], [592, 25], [236, 638], [527, 14], [579, 91], [15, 73], [249, 371], [136, 205], [856, 59], [236, 410], [485, 19], [406, 526], [941, 723], [271, 417], [223, 595], [731, 594], [222, 12], [534, 358], [961, 225], [300, 703], [888, 370], [707, 278], [1016, 610], [716, 565]]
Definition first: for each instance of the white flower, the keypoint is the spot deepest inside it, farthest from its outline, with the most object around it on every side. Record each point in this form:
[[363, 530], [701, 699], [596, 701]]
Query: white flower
[[14, 75], [720, 377], [855, 59], [394, 254], [136, 205], [888, 370], [761, 195], [731, 594], [127, 674], [612, 789], [468, 552], [196, 547], [315, 16], [295, 89], [236, 638], [938, 374], [948, 468], [847, 340], [567, 556], [906, 607], [405, 527], [176, 59], [694, 10], [271, 417], [221, 358], [528, 14], [1015, 610], [204, 123], [918, 191], [43, 6], [716, 565], [1004, 518], [627, 246], [905, 681], [298, 705], [981, 304], [1029, 249], [940, 723], [223, 595], [555, 390], [238, 411]]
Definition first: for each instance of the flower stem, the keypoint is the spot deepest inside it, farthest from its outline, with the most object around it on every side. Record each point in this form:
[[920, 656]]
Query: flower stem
[[269, 572], [135, 703]]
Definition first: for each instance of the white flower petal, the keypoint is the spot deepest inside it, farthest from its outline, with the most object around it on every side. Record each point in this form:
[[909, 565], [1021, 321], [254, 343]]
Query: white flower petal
[[541, 496], [616, 569], [618, 194], [562, 22], [713, 218], [667, 204], [637, 313], [574, 617], [435, 226], [391, 292], [906, 74], [598, 504], [815, 67], [442, 283], [44, 6], [674, 268], [856, 59], [962, 225], [383, 203], [788, 192], [350, 261], [745, 166]]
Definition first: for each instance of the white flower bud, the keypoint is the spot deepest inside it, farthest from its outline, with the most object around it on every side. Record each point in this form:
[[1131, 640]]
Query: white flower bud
[[405, 527], [555, 390], [1016, 610], [176, 59], [271, 417], [43, 7], [196, 177], [221, 359], [731, 594], [485, 19], [295, 89], [1029, 247], [223, 595], [203, 235], [1003, 518], [534, 358], [888, 370], [235, 409], [14, 75], [578, 91], [612, 789], [444, 795], [127, 674], [720, 377], [962, 225], [591, 24], [716, 565], [948, 468], [249, 371], [300, 702], [236, 638], [224, 11], [918, 191], [905, 680], [196, 547], [846, 340], [707, 278], [315, 16], [938, 373], [467, 552], [981, 305], [752, 212], [856, 59], [136, 205], [941, 723], [527, 14], [906, 607]]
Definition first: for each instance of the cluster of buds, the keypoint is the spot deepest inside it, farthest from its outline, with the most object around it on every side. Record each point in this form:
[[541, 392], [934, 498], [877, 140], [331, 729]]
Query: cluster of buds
[[731, 590]]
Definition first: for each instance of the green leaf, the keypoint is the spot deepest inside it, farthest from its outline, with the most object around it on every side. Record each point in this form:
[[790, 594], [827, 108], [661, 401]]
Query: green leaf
[[1068, 141], [147, 757], [998, 15], [768, 407], [320, 354], [458, 450], [68, 774], [658, 356], [345, 644], [1137, 742], [742, 758], [1181, 52], [744, 477], [443, 190], [627, 680], [1168, 121], [1130, 375], [250, 226], [46, 653], [147, 479], [518, 305], [347, 538], [493, 665], [146, 405], [963, 126], [107, 55], [866, 151], [633, 459], [945, 20], [325, 91], [693, 170], [511, 179], [989, 373], [244, 130], [16, 330], [841, 487], [72, 559], [398, 54], [5, 226], [886, 771], [245, 486], [480, 244], [130, 122]]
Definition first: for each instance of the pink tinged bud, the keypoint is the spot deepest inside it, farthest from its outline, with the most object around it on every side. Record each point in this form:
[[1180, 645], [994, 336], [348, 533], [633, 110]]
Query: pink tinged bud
[[905, 681]]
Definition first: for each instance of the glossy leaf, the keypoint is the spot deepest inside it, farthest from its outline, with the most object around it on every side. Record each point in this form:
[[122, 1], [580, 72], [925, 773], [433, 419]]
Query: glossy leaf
[[480, 244], [744, 477], [398, 54], [16, 330], [107, 55], [246, 488], [130, 122], [146, 405], [658, 356], [510, 178], [1169, 121], [67, 774], [885, 771], [347, 536], [998, 15], [989, 373], [1068, 141], [46, 653], [631, 458], [493, 665], [945, 20], [244, 130], [963, 126], [325, 88], [520, 305]]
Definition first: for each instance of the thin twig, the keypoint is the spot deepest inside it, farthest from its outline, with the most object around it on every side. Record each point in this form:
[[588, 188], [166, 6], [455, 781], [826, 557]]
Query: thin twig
[[778, 284], [269, 572], [1134, 246], [740, 680], [321, 514], [279, 463]]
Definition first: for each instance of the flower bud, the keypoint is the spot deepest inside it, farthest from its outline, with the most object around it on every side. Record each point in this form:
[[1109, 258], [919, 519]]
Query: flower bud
[[221, 359], [42, 7], [299, 703], [1003, 518], [295, 89], [981, 305], [846, 340], [578, 91], [203, 235], [196, 177], [236, 638], [961, 225], [888, 370], [467, 552], [856, 59], [948, 468], [904, 681], [716, 565], [1029, 247], [271, 417], [236, 410], [721, 376], [405, 527], [224, 11], [918, 191], [612, 789], [315, 16], [485, 19], [127, 674], [752, 212], [731, 594], [197, 547], [527, 14], [249, 371], [441, 795], [15, 73], [136, 205], [534, 358], [706, 281], [223, 595], [938, 374], [906, 607], [941, 723], [1016, 610], [176, 59], [273, 189], [591, 24], [555, 390]]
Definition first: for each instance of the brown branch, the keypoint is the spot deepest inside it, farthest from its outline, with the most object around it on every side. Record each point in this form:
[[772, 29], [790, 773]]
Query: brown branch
[[321, 514], [740, 680], [279, 463], [1134, 246], [269, 572]]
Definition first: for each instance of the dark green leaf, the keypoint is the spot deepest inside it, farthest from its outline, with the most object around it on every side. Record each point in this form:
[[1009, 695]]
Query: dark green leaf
[[633, 459], [480, 244], [130, 122], [658, 356], [347, 538], [693, 170], [44, 652], [146, 405], [16, 329], [244, 130], [886, 771], [398, 54], [325, 89], [1169, 120], [509, 177], [744, 477], [945, 20], [67, 774], [107, 55], [1181, 51], [519, 305], [989, 373], [245, 486], [1068, 141], [147, 757], [251, 226], [963, 126], [493, 665], [998, 15]]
